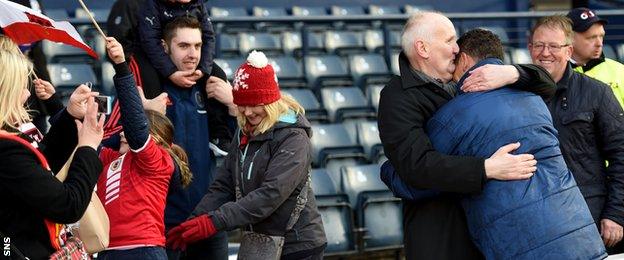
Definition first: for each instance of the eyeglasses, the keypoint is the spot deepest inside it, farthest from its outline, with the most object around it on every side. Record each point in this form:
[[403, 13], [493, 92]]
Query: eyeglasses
[[553, 48]]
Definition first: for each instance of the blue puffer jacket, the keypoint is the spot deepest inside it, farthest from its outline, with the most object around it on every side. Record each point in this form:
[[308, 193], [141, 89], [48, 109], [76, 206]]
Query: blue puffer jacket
[[544, 217]]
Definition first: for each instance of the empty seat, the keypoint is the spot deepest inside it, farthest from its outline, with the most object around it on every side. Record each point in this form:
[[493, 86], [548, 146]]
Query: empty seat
[[326, 70], [307, 99], [373, 92], [108, 86], [374, 40], [338, 11], [227, 45], [57, 14], [368, 138], [309, 11], [394, 64], [229, 66], [323, 184], [499, 31], [332, 141], [344, 103], [344, 42], [383, 9], [230, 12], [266, 42], [373, 204], [338, 224], [66, 77], [63, 53], [369, 68], [100, 15], [609, 52], [410, 9], [292, 43], [258, 11], [520, 56], [288, 71]]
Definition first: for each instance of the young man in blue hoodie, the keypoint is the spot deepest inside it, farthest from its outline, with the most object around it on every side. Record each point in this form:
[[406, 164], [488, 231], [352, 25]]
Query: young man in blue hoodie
[[190, 115]]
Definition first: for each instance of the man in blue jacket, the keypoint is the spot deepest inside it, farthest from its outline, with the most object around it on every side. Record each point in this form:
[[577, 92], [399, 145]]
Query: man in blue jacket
[[544, 217], [190, 112]]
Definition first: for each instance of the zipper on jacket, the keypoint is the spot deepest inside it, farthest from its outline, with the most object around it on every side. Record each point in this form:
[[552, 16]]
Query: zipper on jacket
[[251, 165], [242, 164]]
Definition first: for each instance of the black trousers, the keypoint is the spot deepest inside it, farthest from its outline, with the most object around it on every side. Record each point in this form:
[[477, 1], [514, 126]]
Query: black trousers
[[437, 229]]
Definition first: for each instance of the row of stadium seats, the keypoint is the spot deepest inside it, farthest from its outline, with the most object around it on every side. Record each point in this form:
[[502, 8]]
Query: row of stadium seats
[[359, 213]]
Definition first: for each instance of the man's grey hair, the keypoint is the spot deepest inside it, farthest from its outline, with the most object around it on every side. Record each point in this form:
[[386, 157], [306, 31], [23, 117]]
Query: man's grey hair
[[418, 26]]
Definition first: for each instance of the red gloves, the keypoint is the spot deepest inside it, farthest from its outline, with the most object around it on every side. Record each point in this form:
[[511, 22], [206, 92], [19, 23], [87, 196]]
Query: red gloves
[[189, 231]]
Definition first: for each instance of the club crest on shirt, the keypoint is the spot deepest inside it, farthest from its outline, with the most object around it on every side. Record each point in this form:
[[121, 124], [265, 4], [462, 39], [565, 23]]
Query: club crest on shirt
[[115, 165], [200, 102]]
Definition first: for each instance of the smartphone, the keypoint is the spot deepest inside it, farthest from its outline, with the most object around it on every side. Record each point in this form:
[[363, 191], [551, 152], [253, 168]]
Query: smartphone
[[104, 104]]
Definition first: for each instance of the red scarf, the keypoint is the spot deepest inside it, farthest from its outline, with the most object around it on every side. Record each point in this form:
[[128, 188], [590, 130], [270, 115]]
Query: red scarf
[[246, 134]]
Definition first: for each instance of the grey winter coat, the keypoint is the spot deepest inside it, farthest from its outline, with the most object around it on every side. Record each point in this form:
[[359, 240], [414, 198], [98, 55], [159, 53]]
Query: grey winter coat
[[271, 174]]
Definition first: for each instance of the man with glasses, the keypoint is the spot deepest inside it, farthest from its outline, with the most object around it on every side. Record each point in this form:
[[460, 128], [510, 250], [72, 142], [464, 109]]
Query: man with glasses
[[588, 58], [590, 123]]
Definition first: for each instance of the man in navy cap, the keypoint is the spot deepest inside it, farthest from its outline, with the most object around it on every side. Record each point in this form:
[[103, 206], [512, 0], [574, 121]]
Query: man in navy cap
[[588, 58]]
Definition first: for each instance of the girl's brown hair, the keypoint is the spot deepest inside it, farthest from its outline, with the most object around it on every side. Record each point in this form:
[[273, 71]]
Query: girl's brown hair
[[161, 130]]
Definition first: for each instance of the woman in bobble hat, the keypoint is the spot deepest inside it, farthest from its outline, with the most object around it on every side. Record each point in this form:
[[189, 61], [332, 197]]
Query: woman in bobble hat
[[263, 186]]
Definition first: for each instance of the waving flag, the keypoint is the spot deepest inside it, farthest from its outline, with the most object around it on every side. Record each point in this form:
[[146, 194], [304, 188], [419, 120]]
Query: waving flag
[[25, 25]]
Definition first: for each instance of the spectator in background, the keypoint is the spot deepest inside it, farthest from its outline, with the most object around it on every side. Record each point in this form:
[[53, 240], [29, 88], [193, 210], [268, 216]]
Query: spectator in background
[[435, 228], [33, 200], [590, 123], [192, 113], [137, 176], [587, 55], [264, 185]]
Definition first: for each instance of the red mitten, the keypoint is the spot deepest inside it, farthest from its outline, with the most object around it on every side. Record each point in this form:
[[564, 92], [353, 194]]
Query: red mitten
[[190, 231], [174, 238]]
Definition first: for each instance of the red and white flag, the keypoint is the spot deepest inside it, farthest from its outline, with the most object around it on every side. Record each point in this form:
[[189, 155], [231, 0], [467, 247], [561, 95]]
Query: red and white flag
[[25, 25]]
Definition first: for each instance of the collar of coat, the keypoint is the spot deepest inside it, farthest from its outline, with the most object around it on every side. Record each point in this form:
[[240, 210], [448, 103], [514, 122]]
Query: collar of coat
[[591, 64], [565, 79], [409, 76]]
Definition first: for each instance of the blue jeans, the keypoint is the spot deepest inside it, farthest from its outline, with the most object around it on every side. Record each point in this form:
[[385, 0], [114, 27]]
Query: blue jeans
[[215, 248], [152, 253]]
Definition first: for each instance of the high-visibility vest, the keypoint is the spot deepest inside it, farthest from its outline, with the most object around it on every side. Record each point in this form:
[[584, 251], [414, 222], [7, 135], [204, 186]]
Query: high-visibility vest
[[611, 73]]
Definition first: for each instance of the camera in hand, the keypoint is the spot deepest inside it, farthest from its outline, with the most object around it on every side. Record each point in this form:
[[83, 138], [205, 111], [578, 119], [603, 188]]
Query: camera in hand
[[104, 104]]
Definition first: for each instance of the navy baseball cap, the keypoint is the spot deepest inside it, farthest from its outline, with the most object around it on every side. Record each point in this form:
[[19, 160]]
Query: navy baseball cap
[[583, 18]]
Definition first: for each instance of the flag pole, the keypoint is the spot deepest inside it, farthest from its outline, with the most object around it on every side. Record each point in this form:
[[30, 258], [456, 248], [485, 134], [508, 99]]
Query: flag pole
[[92, 19]]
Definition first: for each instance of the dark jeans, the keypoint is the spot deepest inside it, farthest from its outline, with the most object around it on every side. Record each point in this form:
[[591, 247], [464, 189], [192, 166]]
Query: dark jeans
[[152, 253], [215, 248]]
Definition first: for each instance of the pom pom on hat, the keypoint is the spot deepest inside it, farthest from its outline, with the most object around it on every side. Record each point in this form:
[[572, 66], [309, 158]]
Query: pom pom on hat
[[255, 82]]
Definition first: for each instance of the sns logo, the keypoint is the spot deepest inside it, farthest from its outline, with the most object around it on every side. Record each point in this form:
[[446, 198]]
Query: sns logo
[[7, 246]]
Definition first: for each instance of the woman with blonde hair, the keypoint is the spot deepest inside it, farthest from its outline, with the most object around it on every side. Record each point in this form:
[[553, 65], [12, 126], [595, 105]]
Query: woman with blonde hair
[[263, 186], [34, 201]]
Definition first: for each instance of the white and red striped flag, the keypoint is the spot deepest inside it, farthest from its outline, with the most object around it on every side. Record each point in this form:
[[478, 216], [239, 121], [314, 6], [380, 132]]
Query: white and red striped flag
[[25, 25]]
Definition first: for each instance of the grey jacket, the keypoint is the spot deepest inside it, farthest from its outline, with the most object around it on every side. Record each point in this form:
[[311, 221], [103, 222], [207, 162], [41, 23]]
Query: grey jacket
[[271, 174]]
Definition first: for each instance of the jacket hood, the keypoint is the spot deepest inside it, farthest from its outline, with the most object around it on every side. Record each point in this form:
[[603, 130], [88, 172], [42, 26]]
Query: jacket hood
[[292, 120]]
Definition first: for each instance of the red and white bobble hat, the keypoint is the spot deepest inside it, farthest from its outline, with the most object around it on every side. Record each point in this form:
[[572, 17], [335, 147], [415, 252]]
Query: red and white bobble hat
[[255, 82]]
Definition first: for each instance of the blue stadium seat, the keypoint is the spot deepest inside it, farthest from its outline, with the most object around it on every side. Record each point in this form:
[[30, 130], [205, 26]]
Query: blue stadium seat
[[100, 15], [309, 11], [291, 42], [520, 56], [229, 12], [265, 42], [230, 65], [108, 86], [339, 11], [338, 224], [394, 63], [57, 14], [373, 92], [324, 185], [288, 71], [383, 9], [344, 103], [332, 141], [368, 137], [368, 69], [620, 51], [374, 41], [378, 212], [326, 70], [227, 45], [344, 42], [66, 77], [609, 52], [410, 9], [313, 110], [258, 11], [63, 53]]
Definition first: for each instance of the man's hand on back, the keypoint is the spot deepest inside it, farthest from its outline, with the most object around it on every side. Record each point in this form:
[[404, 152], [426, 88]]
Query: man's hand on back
[[505, 166]]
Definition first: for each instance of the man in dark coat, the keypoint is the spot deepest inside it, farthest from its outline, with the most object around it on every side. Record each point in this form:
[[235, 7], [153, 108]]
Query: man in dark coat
[[435, 228], [590, 123]]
